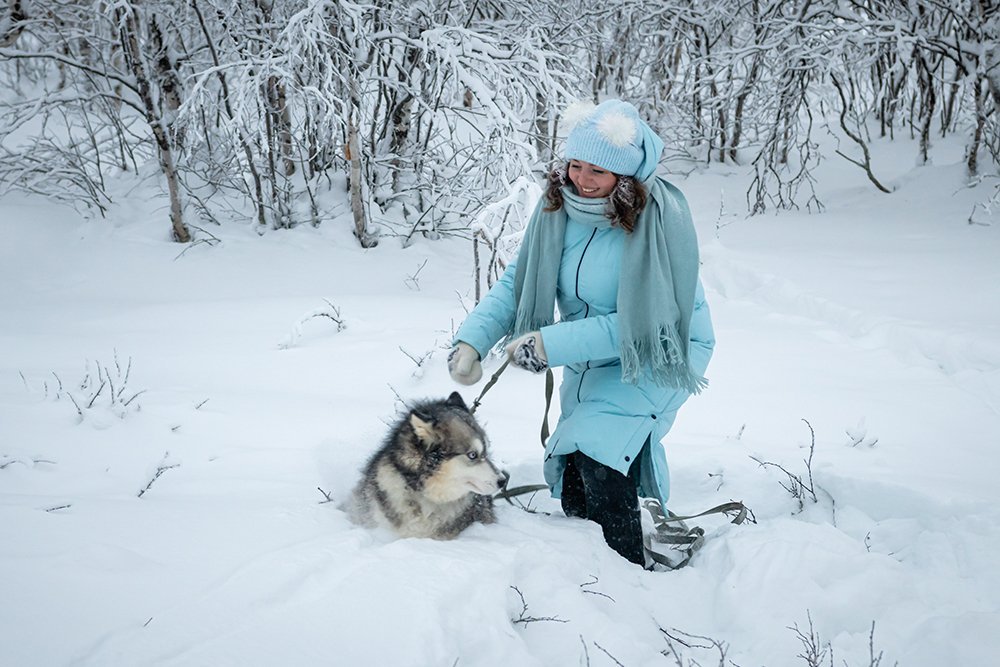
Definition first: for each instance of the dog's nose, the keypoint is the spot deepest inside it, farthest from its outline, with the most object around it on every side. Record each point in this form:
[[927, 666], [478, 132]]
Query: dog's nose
[[503, 479]]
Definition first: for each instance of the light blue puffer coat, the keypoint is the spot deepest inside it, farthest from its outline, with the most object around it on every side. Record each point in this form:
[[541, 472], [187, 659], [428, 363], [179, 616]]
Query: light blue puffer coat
[[603, 417]]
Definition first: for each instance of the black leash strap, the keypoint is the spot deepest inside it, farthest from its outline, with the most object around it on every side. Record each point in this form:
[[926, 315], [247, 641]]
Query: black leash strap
[[550, 383], [507, 494], [489, 385], [659, 517]]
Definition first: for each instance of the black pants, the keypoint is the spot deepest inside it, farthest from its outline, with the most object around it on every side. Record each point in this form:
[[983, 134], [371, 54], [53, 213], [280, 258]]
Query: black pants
[[592, 490]]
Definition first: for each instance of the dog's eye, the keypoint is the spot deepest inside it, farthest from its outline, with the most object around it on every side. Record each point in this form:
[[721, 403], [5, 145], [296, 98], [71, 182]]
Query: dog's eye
[[472, 456]]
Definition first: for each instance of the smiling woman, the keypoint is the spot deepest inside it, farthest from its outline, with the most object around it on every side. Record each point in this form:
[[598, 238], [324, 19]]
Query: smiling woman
[[612, 247], [590, 180], [607, 161]]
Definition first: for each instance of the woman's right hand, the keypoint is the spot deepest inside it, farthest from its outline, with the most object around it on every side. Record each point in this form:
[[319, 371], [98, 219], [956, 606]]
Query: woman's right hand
[[464, 365]]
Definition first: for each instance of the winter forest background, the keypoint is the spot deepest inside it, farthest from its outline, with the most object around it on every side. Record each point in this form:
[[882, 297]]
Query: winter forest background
[[433, 110], [237, 239]]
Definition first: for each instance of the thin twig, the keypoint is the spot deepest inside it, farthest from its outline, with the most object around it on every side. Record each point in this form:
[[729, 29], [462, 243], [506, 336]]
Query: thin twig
[[159, 471], [75, 404], [413, 279], [94, 397], [814, 651], [419, 362], [134, 396], [591, 583], [111, 386], [809, 461], [128, 371], [522, 618], [57, 508], [609, 655]]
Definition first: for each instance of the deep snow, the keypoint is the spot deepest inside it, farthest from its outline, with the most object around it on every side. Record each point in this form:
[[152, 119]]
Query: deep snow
[[877, 321]]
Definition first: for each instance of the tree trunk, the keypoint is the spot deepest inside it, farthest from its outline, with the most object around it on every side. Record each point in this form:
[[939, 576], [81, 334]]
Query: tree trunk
[[227, 105], [972, 158], [129, 23], [281, 119], [985, 11], [741, 100], [856, 137], [401, 115], [928, 100], [542, 147], [167, 79], [476, 271], [947, 112], [993, 74], [356, 178], [14, 26]]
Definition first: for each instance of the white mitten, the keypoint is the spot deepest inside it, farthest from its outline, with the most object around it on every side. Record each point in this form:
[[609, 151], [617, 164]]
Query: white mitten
[[528, 352], [464, 365]]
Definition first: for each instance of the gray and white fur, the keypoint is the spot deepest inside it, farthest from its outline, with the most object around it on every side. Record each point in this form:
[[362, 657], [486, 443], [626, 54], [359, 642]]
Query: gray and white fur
[[432, 477]]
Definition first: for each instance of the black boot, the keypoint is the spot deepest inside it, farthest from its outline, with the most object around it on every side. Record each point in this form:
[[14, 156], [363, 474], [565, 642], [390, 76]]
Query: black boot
[[594, 491], [574, 499]]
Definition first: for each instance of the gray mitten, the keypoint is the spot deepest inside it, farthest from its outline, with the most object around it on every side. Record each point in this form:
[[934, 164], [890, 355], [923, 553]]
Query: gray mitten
[[464, 365], [528, 352]]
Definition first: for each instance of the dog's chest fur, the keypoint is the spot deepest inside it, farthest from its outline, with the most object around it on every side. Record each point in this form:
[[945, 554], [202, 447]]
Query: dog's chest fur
[[411, 514]]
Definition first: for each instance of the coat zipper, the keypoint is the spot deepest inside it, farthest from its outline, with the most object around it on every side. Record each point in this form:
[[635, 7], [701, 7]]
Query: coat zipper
[[586, 305]]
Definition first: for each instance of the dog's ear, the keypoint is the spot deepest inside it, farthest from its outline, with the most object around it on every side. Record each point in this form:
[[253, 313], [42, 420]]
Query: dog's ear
[[423, 426], [456, 400]]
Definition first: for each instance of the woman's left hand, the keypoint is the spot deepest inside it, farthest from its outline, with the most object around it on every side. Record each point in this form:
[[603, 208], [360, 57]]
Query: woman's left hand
[[528, 352]]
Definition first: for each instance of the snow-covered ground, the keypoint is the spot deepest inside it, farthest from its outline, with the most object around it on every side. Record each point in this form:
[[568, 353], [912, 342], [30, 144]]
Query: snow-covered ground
[[875, 324]]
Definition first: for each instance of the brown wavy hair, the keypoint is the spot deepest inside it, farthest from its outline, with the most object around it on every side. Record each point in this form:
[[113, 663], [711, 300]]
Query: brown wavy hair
[[625, 202]]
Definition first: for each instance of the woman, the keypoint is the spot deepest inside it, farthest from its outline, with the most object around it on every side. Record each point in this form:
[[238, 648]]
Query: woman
[[613, 246]]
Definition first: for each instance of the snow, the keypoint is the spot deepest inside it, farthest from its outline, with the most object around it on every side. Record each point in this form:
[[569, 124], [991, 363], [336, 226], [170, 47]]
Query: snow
[[875, 324]]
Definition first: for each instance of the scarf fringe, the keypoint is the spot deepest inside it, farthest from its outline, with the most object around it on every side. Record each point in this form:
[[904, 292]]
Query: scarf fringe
[[662, 359]]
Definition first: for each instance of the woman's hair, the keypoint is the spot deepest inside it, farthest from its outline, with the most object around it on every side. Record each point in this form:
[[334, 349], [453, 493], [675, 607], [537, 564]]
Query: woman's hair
[[625, 202]]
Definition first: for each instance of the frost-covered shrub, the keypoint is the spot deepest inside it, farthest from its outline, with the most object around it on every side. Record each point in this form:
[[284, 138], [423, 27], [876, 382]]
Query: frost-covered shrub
[[104, 390]]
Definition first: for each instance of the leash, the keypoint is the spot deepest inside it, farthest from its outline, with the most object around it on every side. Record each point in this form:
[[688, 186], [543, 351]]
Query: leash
[[660, 517], [489, 385], [674, 543], [506, 493], [550, 383]]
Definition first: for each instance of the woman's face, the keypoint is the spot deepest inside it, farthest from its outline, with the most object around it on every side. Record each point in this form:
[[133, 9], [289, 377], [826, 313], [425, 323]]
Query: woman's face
[[591, 180]]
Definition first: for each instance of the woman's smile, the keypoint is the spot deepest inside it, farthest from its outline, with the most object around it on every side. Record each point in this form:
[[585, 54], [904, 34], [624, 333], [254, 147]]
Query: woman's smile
[[590, 180]]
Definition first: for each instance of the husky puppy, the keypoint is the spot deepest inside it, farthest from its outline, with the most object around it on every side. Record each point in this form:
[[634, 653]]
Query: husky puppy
[[432, 476]]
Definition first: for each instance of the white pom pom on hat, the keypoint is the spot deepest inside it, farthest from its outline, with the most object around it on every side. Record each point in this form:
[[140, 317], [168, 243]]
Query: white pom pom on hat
[[619, 129], [575, 113]]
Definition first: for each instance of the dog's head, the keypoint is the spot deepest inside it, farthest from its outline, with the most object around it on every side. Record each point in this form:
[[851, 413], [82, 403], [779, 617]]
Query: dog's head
[[453, 451]]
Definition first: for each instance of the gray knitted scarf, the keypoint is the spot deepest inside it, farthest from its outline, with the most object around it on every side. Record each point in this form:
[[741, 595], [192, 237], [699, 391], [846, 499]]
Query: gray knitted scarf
[[656, 288]]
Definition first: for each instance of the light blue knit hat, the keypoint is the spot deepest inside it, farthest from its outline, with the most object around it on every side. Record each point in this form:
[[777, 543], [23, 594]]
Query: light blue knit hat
[[612, 136]]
